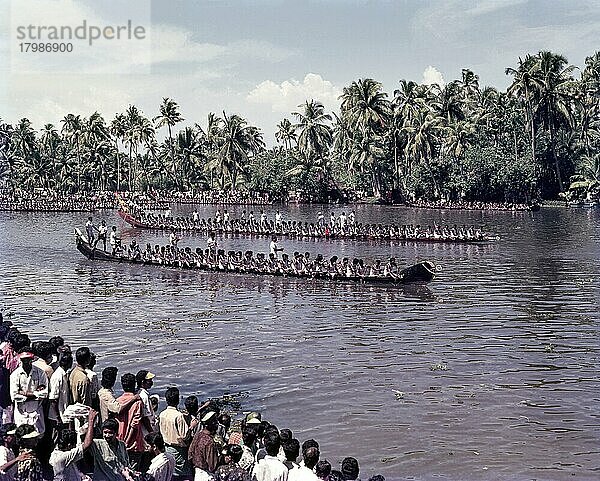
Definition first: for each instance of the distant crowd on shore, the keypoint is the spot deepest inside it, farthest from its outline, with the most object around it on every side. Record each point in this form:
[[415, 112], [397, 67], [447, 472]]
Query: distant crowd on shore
[[62, 422], [49, 200], [468, 205]]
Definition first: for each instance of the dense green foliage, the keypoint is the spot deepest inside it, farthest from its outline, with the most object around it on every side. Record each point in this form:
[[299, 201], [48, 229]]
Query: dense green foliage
[[457, 141]]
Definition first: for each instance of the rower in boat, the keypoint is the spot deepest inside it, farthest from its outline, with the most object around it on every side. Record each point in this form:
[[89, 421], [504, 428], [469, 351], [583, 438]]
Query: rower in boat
[[274, 247]]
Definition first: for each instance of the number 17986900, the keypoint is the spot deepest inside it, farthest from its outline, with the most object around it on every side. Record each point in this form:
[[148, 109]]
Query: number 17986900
[[33, 47]]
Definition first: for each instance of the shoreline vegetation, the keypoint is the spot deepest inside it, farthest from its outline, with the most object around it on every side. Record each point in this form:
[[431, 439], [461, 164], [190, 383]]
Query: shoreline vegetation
[[459, 142]]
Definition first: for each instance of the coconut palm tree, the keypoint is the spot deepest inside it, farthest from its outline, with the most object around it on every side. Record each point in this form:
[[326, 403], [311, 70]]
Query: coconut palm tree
[[315, 133], [524, 86], [118, 129], [285, 133], [237, 141], [423, 136], [72, 130], [366, 105], [169, 116], [555, 100]]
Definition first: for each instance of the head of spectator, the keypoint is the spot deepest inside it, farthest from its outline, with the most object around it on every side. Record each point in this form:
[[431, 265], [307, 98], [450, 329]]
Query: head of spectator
[[26, 358], [191, 405], [7, 435], [291, 449], [210, 422], [128, 382], [272, 443], [19, 341], [323, 469], [156, 443], [144, 379], [285, 434], [109, 377], [26, 436], [350, 469], [92, 362], [43, 350], [66, 361], [67, 440], [225, 421], [249, 435], [172, 397], [82, 356], [309, 443], [55, 343], [110, 427], [232, 453], [311, 457]]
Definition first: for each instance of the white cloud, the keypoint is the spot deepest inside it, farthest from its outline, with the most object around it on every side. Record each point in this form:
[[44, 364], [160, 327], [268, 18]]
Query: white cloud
[[484, 7], [432, 75], [286, 96]]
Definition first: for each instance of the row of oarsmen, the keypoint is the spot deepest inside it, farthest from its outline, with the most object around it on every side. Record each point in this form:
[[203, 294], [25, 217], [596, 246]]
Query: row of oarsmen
[[249, 262]]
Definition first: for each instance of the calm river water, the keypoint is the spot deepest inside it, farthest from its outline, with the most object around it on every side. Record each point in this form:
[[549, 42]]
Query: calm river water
[[497, 360]]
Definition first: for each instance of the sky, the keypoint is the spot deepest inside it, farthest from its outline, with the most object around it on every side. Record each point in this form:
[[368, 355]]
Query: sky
[[263, 58]]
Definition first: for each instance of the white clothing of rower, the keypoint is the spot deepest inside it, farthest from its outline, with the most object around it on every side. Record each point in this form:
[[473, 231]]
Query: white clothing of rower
[[211, 243], [274, 248], [320, 218], [174, 239], [195, 216]]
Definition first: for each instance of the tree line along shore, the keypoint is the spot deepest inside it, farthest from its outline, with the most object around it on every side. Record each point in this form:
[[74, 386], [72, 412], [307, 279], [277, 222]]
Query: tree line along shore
[[460, 142]]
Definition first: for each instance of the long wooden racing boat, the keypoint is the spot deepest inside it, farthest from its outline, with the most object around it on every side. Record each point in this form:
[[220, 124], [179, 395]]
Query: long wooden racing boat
[[134, 222], [422, 272]]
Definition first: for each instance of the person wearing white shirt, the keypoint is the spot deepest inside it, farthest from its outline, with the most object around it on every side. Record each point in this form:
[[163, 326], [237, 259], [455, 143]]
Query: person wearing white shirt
[[28, 389], [8, 461], [59, 390], [195, 216], [278, 219], [163, 464], [270, 468], [305, 471], [273, 247], [67, 453]]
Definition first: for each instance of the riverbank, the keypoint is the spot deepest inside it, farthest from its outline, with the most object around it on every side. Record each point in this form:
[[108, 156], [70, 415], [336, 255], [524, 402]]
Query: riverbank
[[44, 200]]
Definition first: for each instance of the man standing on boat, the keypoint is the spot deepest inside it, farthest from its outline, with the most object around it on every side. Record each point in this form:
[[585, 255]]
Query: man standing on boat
[[89, 229], [102, 229], [273, 247], [113, 239]]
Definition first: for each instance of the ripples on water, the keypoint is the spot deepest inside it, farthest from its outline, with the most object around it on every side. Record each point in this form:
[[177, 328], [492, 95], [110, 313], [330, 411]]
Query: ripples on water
[[491, 372]]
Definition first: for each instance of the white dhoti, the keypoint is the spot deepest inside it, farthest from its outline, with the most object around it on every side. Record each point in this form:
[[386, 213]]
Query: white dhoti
[[30, 412], [201, 475]]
